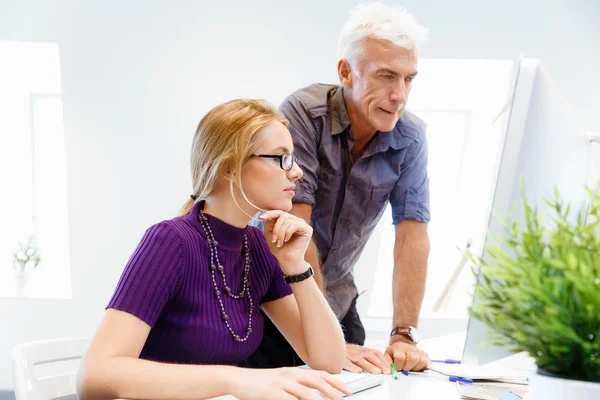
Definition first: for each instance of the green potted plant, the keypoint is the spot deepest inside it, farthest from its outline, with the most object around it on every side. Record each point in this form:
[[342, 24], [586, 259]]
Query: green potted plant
[[26, 258], [539, 291]]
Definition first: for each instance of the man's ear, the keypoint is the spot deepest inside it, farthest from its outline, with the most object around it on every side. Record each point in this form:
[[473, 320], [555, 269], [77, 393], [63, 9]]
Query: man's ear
[[345, 73]]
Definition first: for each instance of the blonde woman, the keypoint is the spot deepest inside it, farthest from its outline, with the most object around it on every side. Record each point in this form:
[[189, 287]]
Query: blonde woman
[[186, 309]]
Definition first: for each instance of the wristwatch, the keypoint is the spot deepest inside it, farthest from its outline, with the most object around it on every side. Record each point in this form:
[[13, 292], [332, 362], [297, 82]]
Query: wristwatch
[[300, 277], [409, 332]]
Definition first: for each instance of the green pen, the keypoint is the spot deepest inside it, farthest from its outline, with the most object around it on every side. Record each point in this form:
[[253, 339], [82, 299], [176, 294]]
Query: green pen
[[394, 371]]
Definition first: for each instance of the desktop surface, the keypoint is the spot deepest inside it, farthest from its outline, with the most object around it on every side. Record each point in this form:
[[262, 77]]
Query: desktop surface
[[405, 388], [409, 388], [416, 387]]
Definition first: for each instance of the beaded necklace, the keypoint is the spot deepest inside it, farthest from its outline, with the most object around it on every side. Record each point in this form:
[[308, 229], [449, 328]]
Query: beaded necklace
[[215, 265]]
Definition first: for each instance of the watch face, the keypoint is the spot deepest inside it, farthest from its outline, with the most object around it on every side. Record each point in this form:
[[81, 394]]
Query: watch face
[[415, 334]]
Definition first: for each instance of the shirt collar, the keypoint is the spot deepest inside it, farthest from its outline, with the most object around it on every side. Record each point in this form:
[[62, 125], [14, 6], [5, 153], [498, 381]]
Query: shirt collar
[[340, 119], [395, 139], [398, 138]]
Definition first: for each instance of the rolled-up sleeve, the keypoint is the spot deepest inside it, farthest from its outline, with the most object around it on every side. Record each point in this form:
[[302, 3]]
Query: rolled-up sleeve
[[410, 196], [306, 140]]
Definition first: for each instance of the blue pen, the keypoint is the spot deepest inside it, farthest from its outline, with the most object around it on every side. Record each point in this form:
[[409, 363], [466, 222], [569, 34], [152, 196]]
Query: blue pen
[[451, 378], [447, 361], [460, 380]]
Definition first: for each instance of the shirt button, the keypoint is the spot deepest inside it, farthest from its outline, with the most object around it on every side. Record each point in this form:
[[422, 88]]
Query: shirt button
[[351, 187], [413, 191]]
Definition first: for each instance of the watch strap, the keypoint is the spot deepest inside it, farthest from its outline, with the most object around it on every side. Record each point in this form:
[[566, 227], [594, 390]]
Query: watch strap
[[300, 277], [403, 331]]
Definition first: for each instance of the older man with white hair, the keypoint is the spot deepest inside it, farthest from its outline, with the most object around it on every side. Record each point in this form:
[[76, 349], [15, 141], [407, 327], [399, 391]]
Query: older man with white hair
[[359, 149]]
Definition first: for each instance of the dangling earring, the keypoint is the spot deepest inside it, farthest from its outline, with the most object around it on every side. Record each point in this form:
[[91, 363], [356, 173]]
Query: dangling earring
[[245, 198]]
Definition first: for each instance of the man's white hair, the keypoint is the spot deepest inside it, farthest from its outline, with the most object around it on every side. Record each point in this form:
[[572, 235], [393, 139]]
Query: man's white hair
[[378, 21]]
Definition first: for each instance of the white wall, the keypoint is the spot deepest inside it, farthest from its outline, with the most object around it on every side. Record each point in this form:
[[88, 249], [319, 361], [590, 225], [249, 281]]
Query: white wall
[[138, 75]]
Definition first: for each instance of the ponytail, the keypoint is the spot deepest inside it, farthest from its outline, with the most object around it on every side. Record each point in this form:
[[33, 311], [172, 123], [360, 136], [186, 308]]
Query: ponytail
[[187, 207]]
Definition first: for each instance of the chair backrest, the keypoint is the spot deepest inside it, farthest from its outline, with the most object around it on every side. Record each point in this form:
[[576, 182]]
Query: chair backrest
[[33, 385]]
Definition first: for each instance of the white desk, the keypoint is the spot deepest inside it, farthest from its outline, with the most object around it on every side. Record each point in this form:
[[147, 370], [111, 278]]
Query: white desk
[[415, 387], [410, 388], [405, 388]]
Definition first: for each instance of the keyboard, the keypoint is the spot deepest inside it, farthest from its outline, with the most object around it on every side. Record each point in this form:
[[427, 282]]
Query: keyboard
[[359, 382]]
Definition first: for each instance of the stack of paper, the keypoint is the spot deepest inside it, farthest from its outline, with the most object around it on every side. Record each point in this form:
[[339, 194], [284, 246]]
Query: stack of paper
[[483, 373], [505, 379], [492, 391]]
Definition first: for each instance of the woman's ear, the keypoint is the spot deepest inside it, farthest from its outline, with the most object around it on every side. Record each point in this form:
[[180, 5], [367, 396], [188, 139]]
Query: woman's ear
[[223, 181], [231, 176], [228, 174]]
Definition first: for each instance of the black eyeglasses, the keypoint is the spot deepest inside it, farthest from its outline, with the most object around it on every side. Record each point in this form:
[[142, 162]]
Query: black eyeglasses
[[286, 161]]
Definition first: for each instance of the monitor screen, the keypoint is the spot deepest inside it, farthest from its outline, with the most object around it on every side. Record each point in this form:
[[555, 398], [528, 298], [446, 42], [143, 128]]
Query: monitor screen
[[544, 148]]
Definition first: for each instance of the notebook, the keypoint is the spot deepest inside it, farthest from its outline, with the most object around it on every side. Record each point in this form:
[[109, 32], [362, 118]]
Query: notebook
[[483, 372], [513, 369]]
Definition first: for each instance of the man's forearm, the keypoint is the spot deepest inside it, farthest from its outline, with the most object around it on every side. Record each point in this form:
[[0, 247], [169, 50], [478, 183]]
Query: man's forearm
[[410, 273], [312, 257]]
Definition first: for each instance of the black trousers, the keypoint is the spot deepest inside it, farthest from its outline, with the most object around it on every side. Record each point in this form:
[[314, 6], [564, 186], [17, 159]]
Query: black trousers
[[274, 350]]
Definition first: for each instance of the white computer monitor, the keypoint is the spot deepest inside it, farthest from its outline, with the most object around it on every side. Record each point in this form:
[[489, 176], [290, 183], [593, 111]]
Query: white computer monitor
[[545, 148]]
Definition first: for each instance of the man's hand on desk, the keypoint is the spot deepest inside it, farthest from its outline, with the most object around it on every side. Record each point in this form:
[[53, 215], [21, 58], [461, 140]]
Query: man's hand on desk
[[406, 355], [359, 359]]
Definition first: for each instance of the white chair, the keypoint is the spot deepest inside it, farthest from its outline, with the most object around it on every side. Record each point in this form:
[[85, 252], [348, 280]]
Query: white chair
[[29, 385]]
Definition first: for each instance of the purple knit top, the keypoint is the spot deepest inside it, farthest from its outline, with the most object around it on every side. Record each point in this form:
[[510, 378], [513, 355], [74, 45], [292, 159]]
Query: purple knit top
[[167, 283]]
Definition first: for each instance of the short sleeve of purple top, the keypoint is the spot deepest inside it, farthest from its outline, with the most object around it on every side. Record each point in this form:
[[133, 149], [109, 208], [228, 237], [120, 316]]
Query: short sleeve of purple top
[[168, 284]]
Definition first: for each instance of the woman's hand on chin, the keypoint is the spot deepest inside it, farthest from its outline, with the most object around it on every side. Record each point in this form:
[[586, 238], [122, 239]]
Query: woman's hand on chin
[[288, 237]]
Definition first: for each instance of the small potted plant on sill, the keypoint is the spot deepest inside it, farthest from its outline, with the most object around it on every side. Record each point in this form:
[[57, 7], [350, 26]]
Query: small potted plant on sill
[[26, 258], [539, 291]]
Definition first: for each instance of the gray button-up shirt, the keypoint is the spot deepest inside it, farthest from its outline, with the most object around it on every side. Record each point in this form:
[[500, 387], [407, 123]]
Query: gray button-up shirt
[[349, 198]]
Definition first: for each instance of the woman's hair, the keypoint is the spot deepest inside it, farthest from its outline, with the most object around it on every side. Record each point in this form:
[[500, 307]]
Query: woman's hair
[[224, 140], [378, 21]]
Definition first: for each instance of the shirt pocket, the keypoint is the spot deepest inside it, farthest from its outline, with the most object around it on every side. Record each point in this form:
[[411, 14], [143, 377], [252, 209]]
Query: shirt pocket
[[327, 191], [380, 196]]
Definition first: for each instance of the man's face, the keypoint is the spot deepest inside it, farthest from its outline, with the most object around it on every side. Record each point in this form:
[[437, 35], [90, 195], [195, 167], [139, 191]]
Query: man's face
[[380, 83]]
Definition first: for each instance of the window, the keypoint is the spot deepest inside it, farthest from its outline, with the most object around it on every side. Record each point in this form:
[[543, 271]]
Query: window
[[32, 170], [462, 102]]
